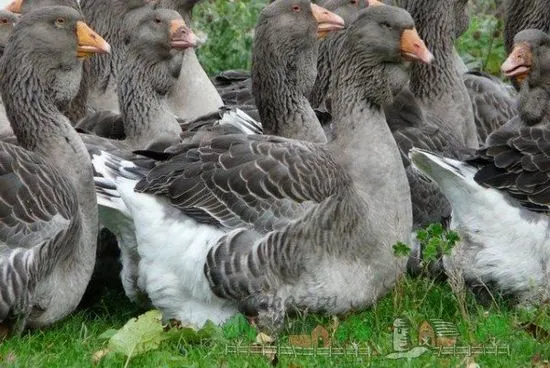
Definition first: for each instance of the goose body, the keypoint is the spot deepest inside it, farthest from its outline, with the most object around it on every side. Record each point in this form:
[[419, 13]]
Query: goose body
[[500, 196], [153, 60], [49, 228], [263, 224]]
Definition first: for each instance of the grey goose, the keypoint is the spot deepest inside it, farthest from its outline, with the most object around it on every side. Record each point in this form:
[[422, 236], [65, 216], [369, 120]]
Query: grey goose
[[194, 95], [153, 56], [271, 220], [47, 202], [501, 196], [119, 221]]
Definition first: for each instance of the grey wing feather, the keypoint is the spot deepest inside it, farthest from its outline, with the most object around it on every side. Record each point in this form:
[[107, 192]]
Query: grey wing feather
[[33, 201], [259, 181], [493, 103], [518, 162], [39, 224]]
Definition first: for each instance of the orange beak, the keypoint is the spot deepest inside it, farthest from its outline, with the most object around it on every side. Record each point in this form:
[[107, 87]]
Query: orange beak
[[15, 6], [518, 64], [89, 42], [181, 36], [326, 21], [413, 48]]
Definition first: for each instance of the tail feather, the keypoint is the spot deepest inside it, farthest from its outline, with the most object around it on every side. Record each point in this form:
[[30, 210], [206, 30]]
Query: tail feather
[[242, 121], [437, 167], [109, 170]]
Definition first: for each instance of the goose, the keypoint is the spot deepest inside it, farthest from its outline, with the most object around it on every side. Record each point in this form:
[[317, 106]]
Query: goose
[[424, 113], [151, 69], [494, 104], [7, 21], [525, 14], [235, 87], [271, 219], [500, 197], [120, 222], [195, 95], [49, 212]]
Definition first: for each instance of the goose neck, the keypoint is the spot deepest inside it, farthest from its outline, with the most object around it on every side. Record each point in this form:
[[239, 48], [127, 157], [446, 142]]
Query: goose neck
[[282, 78], [143, 103]]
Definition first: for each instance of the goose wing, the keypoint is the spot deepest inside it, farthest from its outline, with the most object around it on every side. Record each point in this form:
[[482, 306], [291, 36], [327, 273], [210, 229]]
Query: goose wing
[[246, 180], [518, 162], [38, 217], [36, 202], [492, 103]]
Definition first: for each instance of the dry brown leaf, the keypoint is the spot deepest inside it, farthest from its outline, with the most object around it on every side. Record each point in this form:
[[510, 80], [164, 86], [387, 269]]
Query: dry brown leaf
[[100, 354], [537, 362], [536, 331], [320, 333], [302, 341]]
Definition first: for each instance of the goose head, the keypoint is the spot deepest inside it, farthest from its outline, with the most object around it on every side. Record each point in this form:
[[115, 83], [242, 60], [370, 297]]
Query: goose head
[[154, 36], [54, 39], [382, 38], [530, 57], [298, 17], [286, 43]]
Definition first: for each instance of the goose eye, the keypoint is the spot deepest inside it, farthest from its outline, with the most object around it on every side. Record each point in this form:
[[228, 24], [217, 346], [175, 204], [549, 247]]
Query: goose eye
[[386, 25], [157, 20], [60, 22], [353, 2], [296, 8]]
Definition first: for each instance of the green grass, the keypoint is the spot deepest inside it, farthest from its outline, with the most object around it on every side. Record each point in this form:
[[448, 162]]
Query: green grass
[[73, 342]]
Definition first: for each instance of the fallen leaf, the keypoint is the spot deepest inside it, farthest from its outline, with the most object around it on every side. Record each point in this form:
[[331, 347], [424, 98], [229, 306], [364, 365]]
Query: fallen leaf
[[139, 335], [107, 334], [98, 355], [190, 334], [146, 332], [302, 341], [264, 339], [320, 334]]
